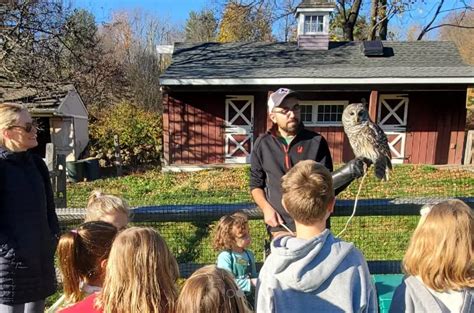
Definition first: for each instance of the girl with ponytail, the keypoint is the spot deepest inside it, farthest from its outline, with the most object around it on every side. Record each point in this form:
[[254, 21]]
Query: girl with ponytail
[[82, 255]]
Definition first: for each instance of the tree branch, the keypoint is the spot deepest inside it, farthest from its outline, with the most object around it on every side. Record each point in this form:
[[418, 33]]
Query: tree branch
[[435, 16]]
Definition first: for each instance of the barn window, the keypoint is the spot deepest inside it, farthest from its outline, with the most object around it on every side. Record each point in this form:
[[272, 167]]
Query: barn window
[[313, 24], [322, 113]]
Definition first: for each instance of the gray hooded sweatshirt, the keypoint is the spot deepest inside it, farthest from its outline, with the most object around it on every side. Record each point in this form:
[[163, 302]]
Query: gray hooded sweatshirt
[[412, 296], [323, 274]]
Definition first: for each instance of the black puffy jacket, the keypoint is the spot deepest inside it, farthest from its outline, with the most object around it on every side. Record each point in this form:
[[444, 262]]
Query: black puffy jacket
[[28, 229]]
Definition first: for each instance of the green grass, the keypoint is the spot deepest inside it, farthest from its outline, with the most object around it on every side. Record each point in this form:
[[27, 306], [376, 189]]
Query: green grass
[[379, 237], [231, 186]]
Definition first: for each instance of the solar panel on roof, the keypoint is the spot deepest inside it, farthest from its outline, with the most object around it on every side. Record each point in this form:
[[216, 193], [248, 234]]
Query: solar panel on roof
[[372, 48]]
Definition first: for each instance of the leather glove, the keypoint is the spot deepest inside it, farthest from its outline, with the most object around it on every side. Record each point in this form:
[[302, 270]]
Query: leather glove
[[353, 169]]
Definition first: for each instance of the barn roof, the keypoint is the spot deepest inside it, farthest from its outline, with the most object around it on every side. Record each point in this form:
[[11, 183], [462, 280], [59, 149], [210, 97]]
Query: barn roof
[[417, 62]]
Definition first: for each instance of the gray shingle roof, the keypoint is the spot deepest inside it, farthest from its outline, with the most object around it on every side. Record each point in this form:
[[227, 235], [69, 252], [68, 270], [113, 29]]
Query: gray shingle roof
[[419, 59], [316, 4], [41, 96]]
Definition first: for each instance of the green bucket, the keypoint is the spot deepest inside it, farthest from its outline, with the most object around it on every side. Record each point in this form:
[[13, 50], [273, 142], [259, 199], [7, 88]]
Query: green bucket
[[92, 169], [75, 171]]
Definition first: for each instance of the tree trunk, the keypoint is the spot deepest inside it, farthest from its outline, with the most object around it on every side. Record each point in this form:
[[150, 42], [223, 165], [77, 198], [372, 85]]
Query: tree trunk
[[350, 22], [373, 19], [383, 27]]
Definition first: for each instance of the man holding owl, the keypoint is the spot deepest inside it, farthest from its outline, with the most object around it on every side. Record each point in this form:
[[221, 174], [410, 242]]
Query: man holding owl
[[285, 144]]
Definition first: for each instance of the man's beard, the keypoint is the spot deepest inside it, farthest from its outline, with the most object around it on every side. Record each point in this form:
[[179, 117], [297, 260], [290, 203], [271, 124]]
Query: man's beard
[[291, 127]]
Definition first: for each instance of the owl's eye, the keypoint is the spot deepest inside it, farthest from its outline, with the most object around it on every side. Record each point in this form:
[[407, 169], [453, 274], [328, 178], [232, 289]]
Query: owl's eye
[[352, 113]]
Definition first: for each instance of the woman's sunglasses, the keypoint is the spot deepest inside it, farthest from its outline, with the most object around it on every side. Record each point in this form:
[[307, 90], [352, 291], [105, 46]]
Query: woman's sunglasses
[[28, 127]]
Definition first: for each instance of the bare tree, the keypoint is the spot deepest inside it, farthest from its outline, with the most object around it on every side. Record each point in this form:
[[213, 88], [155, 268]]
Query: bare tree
[[462, 37], [463, 8]]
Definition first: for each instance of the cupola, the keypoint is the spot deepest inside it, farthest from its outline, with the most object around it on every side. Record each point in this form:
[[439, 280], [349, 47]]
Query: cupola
[[313, 24]]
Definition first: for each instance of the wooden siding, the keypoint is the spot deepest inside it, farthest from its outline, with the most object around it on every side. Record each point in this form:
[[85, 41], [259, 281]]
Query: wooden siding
[[193, 126], [435, 131], [193, 132], [313, 42]]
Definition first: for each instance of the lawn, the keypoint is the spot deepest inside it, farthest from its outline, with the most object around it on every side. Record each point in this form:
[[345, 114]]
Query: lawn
[[379, 237], [231, 186]]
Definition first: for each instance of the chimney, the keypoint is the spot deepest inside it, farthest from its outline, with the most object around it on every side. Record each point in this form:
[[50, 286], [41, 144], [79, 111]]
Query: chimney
[[313, 24]]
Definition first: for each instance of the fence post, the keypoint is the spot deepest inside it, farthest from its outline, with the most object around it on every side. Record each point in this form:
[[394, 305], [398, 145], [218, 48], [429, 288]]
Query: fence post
[[118, 157], [57, 171], [469, 148]]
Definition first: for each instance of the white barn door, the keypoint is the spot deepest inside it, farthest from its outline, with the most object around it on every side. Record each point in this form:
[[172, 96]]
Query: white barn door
[[238, 129], [392, 118]]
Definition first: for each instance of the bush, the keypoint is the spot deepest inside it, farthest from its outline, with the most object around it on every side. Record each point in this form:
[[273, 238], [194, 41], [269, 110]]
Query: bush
[[139, 133]]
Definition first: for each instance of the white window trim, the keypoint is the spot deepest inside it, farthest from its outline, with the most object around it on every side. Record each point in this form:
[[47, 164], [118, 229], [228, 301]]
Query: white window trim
[[302, 17], [314, 122], [314, 33]]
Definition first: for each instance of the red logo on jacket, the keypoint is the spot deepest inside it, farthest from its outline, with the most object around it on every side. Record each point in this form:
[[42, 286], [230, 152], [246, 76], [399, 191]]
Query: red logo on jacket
[[299, 149]]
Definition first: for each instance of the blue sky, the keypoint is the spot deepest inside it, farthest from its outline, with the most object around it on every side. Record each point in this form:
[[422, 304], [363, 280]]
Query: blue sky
[[177, 11]]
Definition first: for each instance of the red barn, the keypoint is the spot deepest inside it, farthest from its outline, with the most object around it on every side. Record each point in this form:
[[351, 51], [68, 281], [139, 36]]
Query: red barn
[[215, 94]]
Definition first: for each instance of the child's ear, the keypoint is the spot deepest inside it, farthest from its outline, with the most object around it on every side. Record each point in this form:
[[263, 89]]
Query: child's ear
[[103, 265], [331, 205], [283, 204], [5, 133]]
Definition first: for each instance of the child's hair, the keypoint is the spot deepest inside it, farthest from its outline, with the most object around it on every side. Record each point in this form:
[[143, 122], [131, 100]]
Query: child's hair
[[307, 191], [228, 229], [441, 248], [141, 274], [101, 204], [211, 289], [80, 252]]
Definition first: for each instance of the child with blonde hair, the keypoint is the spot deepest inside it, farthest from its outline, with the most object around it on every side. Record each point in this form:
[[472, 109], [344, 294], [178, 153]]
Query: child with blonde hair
[[438, 263], [232, 238], [107, 208], [82, 255], [140, 276], [211, 289], [313, 271]]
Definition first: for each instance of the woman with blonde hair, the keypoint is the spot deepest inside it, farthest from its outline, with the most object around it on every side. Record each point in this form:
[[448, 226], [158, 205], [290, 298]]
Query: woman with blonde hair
[[211, 289], [29, 227], [107, 208], [141, 276], [439, 262]]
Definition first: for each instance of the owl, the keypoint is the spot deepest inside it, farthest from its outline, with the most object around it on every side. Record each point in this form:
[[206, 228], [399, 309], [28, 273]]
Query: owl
[[367, 139]]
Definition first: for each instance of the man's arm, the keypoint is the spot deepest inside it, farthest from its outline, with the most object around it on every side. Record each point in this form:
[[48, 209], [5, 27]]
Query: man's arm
[[257, 188], [344, 176], [270, 215]]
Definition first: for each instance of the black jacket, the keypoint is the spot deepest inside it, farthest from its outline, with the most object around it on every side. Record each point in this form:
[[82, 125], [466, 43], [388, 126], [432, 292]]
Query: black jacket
[[271, 159], [28, 229]]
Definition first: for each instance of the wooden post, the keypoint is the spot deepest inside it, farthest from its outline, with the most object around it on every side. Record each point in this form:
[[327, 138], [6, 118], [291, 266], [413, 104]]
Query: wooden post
[[268, 122], [374, 97], [57, 171], [118, 158]]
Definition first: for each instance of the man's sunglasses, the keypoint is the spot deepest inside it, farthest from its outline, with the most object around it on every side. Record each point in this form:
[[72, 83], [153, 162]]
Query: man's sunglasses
[[28, 127]]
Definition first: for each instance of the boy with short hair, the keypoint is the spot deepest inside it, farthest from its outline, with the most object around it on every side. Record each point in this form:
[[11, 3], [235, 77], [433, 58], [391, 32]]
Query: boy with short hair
[[314, 271]]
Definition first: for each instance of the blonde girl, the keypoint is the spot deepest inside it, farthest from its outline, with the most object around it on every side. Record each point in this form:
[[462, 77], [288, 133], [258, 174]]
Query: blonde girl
[[82, 255], [439, 262], [232, 238], [140, 276], [211, 289], [107, 208]]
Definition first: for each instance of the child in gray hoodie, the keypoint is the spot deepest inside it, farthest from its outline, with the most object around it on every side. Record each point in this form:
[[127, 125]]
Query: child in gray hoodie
[[313, 271]]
